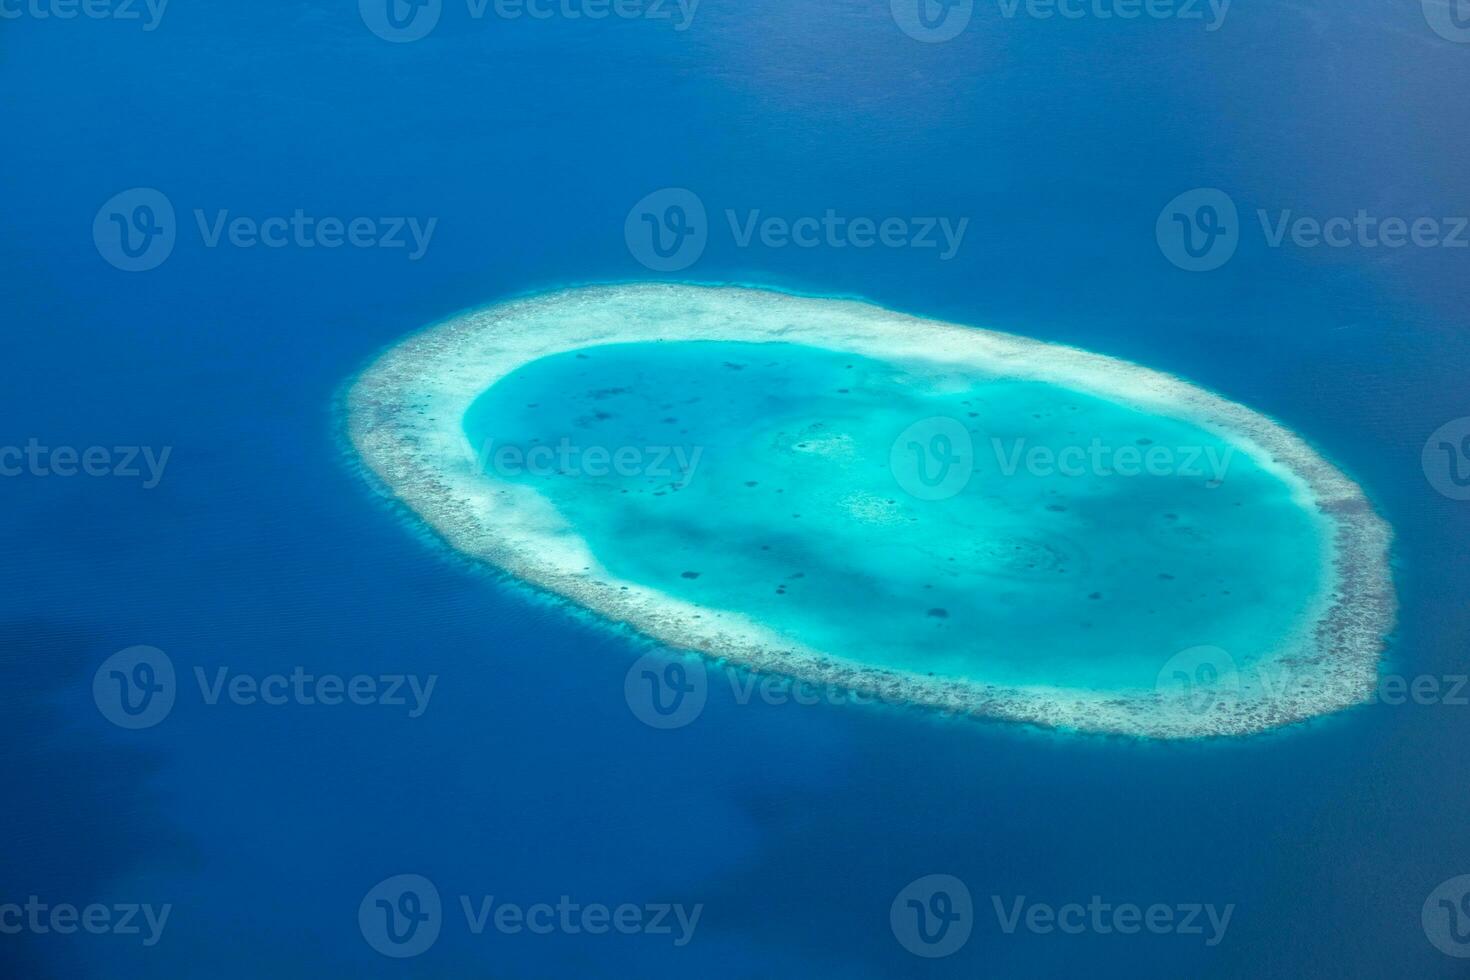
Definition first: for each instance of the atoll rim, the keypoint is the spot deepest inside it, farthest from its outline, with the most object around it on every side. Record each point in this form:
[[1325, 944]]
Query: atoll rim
[[923, 512]]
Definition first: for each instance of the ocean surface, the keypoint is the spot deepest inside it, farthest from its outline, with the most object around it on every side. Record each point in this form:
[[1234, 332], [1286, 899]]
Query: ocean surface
[[225, 525]]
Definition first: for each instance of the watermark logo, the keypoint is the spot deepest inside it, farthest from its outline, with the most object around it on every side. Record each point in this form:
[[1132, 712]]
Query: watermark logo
[[400, 21], [932, 916], [1450, 19], [1200, 678], [135, 230], [668, 230], [933, 459], [1446, 459], [401, 916], [1199, 230], [1446, 917], [665, 691], [932, 21], [135, 688]]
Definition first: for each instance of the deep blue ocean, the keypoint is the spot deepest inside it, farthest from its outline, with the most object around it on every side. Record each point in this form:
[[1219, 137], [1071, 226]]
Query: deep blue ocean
[[260, 548]]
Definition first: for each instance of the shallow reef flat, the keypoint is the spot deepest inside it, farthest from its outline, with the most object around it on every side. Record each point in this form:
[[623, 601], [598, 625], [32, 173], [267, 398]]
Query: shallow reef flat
[[914, 511]]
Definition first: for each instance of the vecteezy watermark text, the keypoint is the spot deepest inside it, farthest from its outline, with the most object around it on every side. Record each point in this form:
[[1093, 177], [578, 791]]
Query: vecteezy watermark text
[[567, 458], [1200, 230], [301, 687], [832, 230], [137, 687], [935, 21], [401, 21], [403, 916], [1102, 918], [934, 916], [573, 918], [1203, 679], [1211, 12], [301, 230], [669, 230], [126, 462], [1099, 458], [936, 458], [1364, 230], [665, 690], [149, 13], [136, 230], [65, 919]]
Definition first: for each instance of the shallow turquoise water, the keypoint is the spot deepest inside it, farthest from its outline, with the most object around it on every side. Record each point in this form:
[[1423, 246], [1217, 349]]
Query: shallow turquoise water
[[1072, 542]]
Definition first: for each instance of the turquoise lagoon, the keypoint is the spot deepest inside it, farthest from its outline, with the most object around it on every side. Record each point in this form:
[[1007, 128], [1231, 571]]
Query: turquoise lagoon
[[932, 513], [831, 497]]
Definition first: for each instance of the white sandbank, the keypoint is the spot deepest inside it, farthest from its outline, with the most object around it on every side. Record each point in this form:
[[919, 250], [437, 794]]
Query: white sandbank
[[405, 417]]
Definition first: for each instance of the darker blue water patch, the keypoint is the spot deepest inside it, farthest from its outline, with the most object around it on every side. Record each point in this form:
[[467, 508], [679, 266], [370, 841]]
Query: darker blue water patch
[[58, 766]]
